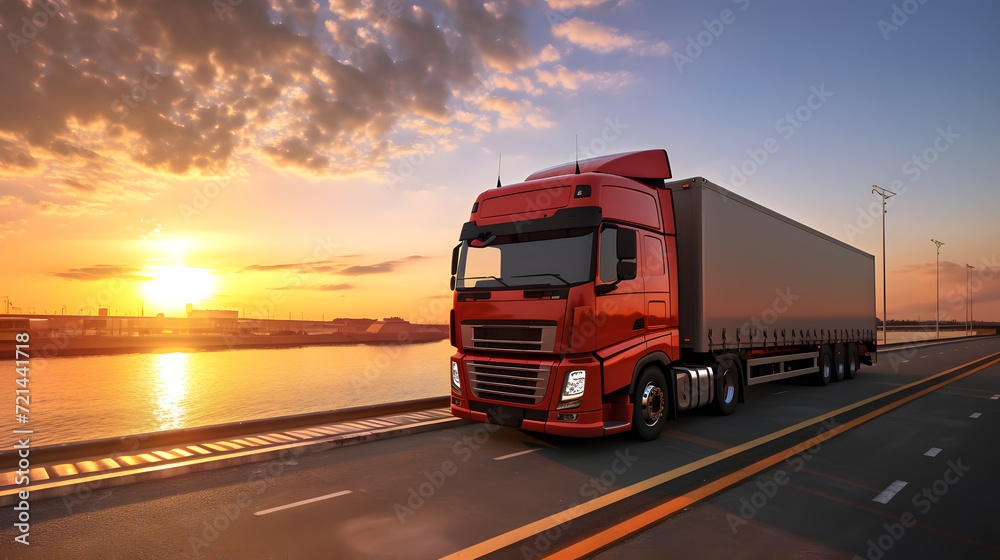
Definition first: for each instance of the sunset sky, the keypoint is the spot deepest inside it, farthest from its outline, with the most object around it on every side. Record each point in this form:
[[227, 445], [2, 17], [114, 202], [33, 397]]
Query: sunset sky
[[319, 159]]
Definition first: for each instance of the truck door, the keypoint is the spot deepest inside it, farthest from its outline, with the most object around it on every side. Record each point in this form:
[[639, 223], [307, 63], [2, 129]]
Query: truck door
[[656, 283], [621, 304]]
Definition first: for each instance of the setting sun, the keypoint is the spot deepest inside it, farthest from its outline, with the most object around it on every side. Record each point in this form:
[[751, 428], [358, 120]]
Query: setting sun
[[174, 286]]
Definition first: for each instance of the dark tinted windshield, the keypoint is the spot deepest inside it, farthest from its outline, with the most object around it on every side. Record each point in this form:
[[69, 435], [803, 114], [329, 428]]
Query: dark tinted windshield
[[550, 258]]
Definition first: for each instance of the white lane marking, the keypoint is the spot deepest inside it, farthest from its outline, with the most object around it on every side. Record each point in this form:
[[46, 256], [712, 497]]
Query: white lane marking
[[975, 415], [501, 458], [940, 352], [994, 397], [303, 502], [923, 356], [904, 361], [889, 492], [779, 393], [932, 452]]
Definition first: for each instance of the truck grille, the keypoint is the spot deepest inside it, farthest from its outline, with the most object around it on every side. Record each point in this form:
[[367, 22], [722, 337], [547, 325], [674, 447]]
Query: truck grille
[[534, 336], [509, 382]]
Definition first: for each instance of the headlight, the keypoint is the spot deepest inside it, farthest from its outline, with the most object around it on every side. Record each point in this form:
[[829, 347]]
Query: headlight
[[575, 382], [456, 379]]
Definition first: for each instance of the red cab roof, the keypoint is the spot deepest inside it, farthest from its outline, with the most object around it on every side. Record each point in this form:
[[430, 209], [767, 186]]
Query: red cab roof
[[645, 164]]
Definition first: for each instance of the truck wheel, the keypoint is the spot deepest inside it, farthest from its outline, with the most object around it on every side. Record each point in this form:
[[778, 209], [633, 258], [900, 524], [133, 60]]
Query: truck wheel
[[825, 373], [649, 412], [727, 386], [852, 361], [839, 362]]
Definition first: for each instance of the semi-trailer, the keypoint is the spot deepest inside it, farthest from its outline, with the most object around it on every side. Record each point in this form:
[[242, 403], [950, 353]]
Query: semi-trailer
[[602, 295]]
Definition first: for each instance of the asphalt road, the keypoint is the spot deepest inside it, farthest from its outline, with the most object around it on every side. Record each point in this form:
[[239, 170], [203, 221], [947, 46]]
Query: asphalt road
[[482, 490]]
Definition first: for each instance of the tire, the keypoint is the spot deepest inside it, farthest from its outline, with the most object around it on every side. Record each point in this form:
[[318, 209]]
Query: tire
[[727, 386], [825, 373], [853, 361], [839, 362], [651, 404]]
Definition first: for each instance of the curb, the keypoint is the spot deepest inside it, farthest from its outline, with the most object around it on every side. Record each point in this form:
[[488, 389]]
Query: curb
[[83, 484]]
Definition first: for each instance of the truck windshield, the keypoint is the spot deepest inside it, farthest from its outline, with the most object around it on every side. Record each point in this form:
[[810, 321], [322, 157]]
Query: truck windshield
[[548, 258]]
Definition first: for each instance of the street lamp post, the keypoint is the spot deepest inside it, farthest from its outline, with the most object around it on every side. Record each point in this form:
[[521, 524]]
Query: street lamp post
[[968, 300], [937, 307], [885, 319]]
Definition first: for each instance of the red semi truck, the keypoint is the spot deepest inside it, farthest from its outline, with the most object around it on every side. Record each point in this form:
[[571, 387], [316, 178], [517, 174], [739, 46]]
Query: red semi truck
[[601, 296]]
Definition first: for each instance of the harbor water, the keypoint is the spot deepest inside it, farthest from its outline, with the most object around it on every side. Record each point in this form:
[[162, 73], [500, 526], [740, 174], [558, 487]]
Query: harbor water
[[90, 397]]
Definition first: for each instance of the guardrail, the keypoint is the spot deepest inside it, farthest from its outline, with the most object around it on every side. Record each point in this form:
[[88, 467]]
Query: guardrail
[[75, 450]]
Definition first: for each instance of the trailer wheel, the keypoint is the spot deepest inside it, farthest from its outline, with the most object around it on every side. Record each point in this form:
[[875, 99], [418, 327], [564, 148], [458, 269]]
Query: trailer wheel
[[852, 361], [839, 362], [651, 399], [825, 373], [727, 386]]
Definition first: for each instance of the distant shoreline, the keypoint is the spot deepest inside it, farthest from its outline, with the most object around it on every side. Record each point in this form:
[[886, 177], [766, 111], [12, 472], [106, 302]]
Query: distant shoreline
[[44, 345]]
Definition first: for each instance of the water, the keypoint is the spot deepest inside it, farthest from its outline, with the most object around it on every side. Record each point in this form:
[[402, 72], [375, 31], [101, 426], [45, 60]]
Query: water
[[89, 397]]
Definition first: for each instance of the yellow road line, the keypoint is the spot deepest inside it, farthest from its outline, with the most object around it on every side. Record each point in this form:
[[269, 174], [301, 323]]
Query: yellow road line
[[521, 533]]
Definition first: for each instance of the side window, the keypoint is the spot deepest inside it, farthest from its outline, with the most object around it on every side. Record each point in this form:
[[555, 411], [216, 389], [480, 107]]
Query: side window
[[652, 257], [608, 255]]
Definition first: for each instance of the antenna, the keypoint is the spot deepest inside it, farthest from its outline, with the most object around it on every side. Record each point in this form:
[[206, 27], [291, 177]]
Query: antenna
[[576, 140], [499, 161]]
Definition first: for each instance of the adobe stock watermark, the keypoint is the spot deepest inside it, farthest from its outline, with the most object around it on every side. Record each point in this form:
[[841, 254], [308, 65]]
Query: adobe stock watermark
[[202, 196], [961, 293], [696, 44], [223, 517], [375, 368], [137, 93], [407, 165], [782, 303], [593, 488], [786, 127], [464, 449], [923, 501], [913, 168], [765, 490], [598, 145], [898, 17], [33, 25]]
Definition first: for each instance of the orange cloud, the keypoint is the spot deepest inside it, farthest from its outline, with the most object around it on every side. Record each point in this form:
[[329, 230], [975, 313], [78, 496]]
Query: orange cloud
[[603, 39]]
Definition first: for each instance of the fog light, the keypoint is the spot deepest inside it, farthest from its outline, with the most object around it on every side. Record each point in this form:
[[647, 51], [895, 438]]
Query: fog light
[[570, 404], [567, 417]]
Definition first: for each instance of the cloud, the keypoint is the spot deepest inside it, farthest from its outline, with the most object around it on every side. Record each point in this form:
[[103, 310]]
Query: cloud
[[102, 272], [322, 288], [549, 54], [333, 267], [563, 77], [571, 4], [302, 268], [109, 98], [603, 39], [378, 268]]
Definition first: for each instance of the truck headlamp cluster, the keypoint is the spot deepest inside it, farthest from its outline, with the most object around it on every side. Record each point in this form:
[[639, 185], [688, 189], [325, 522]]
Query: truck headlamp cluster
[[574, 385], [456, 378]]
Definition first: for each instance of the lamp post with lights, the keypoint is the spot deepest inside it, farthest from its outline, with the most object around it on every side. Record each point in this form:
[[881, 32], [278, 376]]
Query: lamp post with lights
[[937, 307]]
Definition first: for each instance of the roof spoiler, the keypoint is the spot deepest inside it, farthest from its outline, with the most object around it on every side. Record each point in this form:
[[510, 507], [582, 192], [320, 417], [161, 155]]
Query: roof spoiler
[[642, 165]]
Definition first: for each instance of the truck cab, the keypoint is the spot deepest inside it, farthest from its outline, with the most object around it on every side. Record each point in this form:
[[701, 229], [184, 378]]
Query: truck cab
[[563, 289]]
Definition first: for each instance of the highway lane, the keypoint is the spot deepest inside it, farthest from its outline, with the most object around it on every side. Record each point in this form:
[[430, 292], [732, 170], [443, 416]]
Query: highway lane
[[438, 493], [918, 482]]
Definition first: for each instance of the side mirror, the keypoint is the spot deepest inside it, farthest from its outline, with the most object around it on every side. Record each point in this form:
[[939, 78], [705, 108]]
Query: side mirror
[[626, 244], [626, 270], [454, 259]]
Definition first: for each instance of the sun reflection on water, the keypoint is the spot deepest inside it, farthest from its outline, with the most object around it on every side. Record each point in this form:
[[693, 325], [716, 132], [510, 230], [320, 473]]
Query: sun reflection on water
[[172, 374]]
